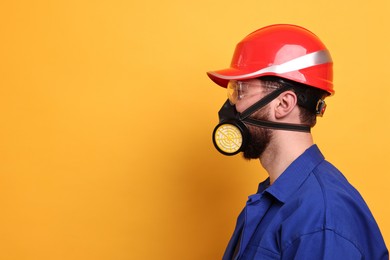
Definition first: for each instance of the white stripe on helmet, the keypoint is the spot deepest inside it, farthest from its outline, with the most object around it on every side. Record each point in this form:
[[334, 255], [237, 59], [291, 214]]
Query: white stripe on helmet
[[303, 62]]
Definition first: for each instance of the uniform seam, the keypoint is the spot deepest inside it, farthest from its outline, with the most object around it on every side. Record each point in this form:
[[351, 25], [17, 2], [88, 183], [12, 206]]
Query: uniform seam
[[266, 249], [325, 226], [324, 195], [324, 230], [325, 200]]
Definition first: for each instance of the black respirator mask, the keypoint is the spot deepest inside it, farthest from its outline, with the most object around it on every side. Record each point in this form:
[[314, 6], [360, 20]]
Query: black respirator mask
[[231, 135]]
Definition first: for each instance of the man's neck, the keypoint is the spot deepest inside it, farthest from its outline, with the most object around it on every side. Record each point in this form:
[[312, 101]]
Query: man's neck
[[284, 148]]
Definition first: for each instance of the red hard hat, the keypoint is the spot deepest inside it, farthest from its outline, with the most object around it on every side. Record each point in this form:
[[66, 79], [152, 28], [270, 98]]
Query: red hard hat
[[283, 50]]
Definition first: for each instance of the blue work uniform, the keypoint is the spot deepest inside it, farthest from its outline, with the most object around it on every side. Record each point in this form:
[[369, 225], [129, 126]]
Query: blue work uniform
[[310, 212]]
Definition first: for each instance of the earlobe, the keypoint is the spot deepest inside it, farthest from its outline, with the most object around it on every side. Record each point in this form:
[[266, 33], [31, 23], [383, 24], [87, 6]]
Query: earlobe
[[285, 104]]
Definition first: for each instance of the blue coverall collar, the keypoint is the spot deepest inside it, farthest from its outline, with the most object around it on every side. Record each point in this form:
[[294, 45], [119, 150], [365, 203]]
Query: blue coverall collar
[[295, 174]]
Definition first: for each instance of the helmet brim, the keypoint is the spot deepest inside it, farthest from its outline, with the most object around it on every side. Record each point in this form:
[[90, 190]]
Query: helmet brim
[[222, 77]]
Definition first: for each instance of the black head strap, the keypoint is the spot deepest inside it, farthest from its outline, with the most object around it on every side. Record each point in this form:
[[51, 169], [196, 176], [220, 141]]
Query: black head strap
[[279, 126], [244, 116], [264, 101]]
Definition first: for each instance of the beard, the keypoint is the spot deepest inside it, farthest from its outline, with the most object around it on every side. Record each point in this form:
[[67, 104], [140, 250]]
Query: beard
[[259, 138]]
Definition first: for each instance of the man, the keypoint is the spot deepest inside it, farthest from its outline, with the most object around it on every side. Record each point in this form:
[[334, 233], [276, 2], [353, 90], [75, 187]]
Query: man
[[306, 209]]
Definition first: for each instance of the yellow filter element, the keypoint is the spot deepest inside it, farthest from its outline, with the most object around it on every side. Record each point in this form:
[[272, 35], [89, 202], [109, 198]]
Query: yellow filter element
[[228, 138]]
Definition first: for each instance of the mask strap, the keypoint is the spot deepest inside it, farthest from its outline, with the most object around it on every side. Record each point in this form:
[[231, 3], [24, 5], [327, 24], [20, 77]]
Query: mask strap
[[280, 126], [244, 116], [262, 102]]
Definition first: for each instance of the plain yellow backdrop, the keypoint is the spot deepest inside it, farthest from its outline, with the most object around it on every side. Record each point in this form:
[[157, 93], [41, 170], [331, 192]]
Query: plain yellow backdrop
[[107, 114]]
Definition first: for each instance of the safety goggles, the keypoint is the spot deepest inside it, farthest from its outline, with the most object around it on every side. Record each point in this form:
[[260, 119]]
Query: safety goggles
[[237, 90]]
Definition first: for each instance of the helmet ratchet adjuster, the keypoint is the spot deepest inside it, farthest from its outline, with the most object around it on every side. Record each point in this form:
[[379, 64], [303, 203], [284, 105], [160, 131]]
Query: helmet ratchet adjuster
[[321, 107]]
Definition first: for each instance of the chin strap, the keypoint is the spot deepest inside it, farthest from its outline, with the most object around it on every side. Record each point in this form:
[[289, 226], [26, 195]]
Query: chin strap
[[244, 116]]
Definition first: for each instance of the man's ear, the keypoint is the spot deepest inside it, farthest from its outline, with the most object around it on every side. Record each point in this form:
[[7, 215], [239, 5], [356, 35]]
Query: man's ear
[[285, 103]]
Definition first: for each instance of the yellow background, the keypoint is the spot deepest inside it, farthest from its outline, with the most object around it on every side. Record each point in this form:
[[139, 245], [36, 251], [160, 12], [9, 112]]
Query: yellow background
[[107, 114]]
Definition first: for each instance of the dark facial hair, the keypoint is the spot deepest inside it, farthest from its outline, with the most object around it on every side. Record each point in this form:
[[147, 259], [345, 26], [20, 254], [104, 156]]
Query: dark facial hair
[[259, 138]]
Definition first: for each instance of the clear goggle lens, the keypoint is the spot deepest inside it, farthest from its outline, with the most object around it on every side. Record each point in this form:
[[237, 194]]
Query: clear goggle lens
[[237, 90]]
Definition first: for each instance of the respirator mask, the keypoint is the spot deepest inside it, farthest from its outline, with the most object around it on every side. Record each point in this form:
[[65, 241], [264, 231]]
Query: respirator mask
[[231, 135]]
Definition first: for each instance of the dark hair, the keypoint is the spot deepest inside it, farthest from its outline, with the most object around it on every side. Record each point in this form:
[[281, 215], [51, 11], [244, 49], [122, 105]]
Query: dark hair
[[307, 96]]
